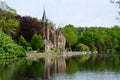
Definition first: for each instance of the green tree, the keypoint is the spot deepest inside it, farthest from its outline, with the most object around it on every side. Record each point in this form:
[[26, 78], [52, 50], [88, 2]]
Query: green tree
[[89, 39], [70, 33], [101, 39], [92, 37], [8, 48], [37, 42], [23, 42], [8, 23]]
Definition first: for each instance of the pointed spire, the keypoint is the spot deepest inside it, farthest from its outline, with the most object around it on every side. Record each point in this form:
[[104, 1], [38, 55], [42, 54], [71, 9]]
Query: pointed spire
[[44, 19]]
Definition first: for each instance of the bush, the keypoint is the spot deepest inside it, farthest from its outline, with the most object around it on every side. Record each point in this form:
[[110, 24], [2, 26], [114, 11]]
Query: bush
[[23, 42], [8, 48], [37, 42], [29, 48], [81, 47]]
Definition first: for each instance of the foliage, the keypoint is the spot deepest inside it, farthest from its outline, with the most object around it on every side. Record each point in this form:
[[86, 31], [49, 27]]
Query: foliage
[[8, 23], [70, 34], [23, 42], [8, 48], [81, 47], [37, 42], [100, 38], [28, 27]]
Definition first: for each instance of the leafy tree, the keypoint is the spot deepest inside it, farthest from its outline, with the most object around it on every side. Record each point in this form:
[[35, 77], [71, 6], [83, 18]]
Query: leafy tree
[[89, 38], [23, 42], [101, 39], [70, 34], [8, 23], [37, 42], [28, 27], [8, 48]]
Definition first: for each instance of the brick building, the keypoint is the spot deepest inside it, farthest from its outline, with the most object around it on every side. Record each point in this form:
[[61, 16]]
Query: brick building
[[52, 38]]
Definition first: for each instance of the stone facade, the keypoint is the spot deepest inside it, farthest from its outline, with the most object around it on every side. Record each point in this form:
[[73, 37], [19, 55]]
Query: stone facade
[[61, 41], [52, 38]]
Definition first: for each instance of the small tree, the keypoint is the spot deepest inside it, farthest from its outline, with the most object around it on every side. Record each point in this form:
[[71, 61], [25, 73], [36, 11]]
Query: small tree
[[81, 47], [23, 42], [37, 42]]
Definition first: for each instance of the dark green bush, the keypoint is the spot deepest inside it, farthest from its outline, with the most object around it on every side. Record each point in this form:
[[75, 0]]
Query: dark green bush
[[23, 42]]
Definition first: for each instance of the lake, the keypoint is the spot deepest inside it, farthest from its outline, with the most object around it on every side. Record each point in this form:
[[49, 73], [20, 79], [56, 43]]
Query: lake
[[85, 67]]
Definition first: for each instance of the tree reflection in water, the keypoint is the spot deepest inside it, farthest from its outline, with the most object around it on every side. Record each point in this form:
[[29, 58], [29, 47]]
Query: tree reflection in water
[[41, 69], [49, 68]]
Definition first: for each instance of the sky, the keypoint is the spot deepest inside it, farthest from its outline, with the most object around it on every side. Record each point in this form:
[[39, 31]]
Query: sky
[[76, 12]]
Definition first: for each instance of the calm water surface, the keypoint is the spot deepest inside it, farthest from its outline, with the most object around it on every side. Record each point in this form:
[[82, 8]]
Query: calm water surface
[[87, 67]]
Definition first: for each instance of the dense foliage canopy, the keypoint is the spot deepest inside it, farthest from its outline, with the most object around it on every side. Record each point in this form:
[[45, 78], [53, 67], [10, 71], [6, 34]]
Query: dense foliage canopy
[[28, 27], [100, 38], [8, 48], [8, 23], [70, 34], [28, 32]]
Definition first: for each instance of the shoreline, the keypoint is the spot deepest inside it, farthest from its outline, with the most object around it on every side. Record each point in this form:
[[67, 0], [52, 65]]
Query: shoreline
[[34, 55]]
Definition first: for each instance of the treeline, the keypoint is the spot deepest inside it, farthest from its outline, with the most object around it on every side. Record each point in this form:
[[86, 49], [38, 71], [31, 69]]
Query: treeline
[[28, 33], [8, 24], [19, 34], [101, 39]]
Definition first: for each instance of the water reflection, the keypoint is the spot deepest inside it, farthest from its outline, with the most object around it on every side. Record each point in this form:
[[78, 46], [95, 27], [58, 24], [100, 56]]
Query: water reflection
[[53, 66], [86, 67], [41, 69], [8, 68]]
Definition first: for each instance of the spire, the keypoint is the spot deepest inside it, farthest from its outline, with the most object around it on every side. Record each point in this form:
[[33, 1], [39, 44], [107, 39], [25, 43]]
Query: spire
[[44, 19]]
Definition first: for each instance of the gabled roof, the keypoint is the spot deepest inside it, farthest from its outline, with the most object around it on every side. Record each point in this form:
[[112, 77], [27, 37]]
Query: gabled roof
[[48, 42]]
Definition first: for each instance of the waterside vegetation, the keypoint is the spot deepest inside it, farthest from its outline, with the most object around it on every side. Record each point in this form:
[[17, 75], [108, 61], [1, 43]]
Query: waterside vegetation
[[19, 34]]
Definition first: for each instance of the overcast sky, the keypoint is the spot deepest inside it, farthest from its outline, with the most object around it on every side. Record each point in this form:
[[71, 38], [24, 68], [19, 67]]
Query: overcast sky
[[76, 12]]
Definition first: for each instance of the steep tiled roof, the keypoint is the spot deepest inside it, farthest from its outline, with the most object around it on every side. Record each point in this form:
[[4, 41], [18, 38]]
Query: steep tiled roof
[[48, 42]]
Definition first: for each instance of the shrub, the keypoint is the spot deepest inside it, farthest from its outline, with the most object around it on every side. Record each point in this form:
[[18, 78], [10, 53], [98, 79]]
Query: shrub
[[23, 42], [8, 47], [37, 42], [81, 47]]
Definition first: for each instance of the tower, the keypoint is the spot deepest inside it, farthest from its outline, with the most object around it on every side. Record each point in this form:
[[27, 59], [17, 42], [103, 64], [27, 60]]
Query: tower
[[46, 27], [44, 21]]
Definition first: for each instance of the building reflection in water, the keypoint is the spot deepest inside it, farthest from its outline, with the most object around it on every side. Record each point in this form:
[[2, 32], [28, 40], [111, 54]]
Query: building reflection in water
[[54, 66], [37, 69]]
